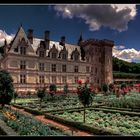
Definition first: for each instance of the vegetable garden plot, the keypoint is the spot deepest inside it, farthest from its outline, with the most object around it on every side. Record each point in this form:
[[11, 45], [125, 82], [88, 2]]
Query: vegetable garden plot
[[27, 125], [109, 121]]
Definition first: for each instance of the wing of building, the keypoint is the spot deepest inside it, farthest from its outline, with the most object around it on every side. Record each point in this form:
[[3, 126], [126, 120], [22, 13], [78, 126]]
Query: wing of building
[[36, 62]]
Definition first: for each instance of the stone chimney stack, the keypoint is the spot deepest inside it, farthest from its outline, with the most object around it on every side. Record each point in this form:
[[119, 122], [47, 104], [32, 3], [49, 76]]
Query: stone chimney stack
[[47, 35], [30, 35], [62, 41], [47, 39]]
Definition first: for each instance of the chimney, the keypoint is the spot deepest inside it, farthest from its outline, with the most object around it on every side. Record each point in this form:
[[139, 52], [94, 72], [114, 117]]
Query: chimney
[[47, 39], [47, 35], [30, 35], [62, 41]]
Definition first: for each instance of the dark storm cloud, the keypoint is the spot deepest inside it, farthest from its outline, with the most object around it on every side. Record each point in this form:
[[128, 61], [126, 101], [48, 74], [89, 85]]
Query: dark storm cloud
[[112, 16]]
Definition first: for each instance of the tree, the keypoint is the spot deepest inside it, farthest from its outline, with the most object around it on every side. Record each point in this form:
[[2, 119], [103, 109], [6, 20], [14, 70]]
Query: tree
[[6, 88], [41, 94], [105, 88], [84, 95]]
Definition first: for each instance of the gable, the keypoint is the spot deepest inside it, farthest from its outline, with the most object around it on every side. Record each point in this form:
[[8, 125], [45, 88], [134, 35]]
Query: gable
[[18, 41]]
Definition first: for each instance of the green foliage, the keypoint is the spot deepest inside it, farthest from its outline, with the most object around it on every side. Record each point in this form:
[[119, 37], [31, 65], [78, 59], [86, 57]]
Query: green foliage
[[41, 93], [6, 87], [127, 67], [28, 125], [53, 87], [105, 88], [85, 95], [123, 85]]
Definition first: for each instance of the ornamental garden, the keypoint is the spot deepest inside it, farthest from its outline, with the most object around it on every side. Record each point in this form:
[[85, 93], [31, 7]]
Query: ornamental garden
[[109, 110]]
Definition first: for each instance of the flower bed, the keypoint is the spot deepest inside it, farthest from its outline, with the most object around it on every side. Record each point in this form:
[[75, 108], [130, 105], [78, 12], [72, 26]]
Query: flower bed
[[109, 121], [27, 125]]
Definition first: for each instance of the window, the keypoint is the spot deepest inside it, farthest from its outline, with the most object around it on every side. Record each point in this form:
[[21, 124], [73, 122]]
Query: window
[[22, 78], [95, 70], [64, 79], [64, 56], [22, 50], [76, 69], [53, 67], [41, 66], [41, 79], [99, 59], [64, 68], [41, 53], [54, 55], [87, 68], [22, 64], [53, 79], [92, 69], [76, 79], [76, 57]]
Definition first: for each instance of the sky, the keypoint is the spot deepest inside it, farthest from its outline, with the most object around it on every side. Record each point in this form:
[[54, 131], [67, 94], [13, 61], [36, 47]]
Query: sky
[[117, 22]]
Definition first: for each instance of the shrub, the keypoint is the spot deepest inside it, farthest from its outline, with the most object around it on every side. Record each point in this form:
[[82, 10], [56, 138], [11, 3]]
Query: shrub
[[105, 88], [52, 89], [84, 95], [6, 88], [41, 94]]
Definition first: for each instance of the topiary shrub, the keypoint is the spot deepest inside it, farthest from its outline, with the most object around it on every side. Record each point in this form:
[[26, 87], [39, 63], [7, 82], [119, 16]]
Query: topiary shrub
[[52, 89], [85, 95], [105, 88], [41, 94]]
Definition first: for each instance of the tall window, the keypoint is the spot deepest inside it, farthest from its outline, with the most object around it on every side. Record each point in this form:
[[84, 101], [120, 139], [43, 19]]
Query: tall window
[[41, 66], [53, 67], [41, 79], [64, 79], [22, 64], [87, 69], [22, 50], [53, 79], [22, 78], [76, 79], [64, 56], [54, 55], [76, 69], [41, 53], [64, 68], [95, 70]]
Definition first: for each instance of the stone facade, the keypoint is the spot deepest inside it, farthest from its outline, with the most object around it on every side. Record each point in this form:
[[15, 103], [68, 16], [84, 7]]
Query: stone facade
[[40, 62]]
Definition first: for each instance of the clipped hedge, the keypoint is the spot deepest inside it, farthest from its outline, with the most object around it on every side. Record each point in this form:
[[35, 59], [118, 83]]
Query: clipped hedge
[[32, 111], [93, 130], [117, 111], [121, 109], [6, 130]]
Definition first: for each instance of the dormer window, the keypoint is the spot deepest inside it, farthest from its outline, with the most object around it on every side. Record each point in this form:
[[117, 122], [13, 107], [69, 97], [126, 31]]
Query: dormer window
[[41, 53], [64, 56], [54, 55], [76, 57], [22, 50]]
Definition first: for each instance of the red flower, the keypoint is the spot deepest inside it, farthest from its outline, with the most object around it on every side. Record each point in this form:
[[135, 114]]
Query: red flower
[[79, 82]]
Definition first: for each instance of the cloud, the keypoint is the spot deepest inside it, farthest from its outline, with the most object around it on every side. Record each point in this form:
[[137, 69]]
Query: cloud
[[130, 55], [3, 36], [114, 16]]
